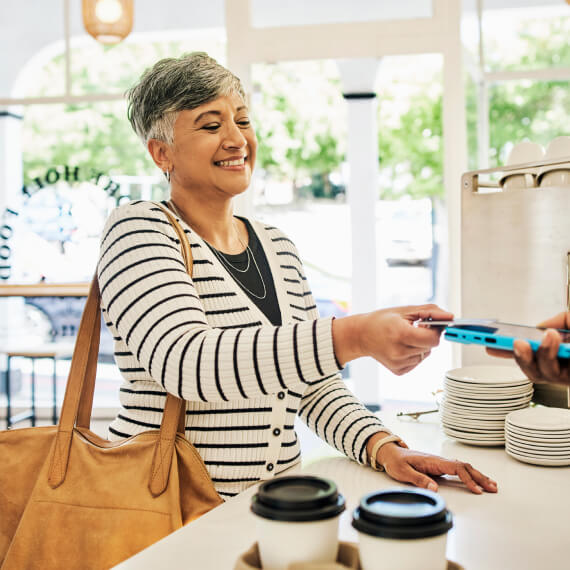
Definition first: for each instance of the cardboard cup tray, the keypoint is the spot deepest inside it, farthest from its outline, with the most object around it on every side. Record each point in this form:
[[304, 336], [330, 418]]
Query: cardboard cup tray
[[347, 558]]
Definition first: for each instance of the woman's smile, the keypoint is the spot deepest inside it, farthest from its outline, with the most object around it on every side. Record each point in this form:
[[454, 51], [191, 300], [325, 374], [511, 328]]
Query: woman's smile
[[232, 163]]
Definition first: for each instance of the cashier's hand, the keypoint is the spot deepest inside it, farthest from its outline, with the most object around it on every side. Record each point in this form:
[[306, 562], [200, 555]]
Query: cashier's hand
[[543, 365], [409, 466]]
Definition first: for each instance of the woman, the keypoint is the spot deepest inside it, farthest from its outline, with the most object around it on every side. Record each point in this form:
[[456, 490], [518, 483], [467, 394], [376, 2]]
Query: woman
[[240, 340]]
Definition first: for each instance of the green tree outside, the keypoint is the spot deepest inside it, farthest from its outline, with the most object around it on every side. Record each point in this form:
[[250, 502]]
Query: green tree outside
[[300, 118]]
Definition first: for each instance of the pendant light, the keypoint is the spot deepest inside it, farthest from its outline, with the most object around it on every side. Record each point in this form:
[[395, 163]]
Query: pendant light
[[108, 21]]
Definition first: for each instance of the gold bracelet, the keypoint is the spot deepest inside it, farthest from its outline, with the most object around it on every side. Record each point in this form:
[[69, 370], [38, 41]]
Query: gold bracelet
[[388, 439]]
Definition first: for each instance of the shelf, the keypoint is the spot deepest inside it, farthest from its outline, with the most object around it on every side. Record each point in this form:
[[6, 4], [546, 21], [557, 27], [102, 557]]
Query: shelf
[[44, 290]]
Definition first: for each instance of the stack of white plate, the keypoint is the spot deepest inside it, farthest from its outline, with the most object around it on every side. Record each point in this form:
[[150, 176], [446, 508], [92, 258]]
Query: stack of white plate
[[477, 399], [540, 436]]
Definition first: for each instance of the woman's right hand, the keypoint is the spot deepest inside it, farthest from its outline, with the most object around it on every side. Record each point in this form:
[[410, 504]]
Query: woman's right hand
[[389, 336]]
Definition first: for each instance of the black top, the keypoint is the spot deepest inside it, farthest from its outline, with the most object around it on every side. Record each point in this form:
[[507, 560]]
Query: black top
[[251, 281]]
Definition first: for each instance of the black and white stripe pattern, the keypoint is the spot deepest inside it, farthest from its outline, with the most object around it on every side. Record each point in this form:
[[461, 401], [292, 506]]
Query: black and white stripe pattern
[[203, 339]]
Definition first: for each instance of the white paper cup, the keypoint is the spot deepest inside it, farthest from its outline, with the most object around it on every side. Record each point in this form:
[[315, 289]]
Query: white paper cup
[[282, 543], [525, 151], [557, 174], [402, 529], [297, 520], [555, 177], [515, 181]]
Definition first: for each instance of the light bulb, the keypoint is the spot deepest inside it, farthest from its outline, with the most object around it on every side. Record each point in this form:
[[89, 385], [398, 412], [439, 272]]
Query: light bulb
[[108, 11]]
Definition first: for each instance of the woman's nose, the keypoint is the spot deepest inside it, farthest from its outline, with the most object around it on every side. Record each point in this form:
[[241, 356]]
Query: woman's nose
[[234, 138]]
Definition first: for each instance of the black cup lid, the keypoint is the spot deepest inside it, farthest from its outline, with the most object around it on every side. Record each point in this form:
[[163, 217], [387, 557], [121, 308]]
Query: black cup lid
[[297, 498], [402, 513]]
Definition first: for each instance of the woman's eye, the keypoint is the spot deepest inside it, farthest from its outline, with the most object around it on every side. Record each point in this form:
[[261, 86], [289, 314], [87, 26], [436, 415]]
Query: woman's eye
[[211, 127], [244, 123]]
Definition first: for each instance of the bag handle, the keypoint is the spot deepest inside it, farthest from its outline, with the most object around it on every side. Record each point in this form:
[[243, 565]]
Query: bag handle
[[78, 401]]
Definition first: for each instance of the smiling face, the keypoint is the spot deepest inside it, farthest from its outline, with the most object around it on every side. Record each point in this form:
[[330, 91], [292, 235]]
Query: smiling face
[[214, 148]]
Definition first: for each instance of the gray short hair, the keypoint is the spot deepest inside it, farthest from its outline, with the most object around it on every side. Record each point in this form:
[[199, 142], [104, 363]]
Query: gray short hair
[[172, 85]]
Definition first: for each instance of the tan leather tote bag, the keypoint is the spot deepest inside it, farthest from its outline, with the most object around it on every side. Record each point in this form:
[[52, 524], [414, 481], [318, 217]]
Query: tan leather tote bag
[[71, 499]]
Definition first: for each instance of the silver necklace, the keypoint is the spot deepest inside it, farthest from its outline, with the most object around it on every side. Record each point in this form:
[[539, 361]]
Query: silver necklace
[[247, 251], [227, 263]]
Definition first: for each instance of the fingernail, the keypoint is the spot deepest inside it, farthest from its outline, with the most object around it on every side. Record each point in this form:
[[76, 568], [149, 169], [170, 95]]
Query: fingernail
[[432, 486], [516, 351]]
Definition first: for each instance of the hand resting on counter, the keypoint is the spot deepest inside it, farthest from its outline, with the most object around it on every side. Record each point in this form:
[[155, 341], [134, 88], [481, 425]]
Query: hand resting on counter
[[415, 467]]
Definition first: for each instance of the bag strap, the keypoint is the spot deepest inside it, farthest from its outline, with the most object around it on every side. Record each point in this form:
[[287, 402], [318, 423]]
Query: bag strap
[[78, 401]]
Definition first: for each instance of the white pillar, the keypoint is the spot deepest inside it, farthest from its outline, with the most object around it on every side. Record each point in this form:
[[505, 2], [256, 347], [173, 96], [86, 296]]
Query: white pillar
[[358, 78], [238, 21], [455, 152], [483, 136]]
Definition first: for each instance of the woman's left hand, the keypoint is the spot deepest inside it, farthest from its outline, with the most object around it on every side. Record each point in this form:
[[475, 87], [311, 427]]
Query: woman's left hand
[[413, 467]]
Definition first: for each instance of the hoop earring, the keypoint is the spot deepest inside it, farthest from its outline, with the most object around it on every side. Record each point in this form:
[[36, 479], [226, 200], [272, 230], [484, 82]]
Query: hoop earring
[[167, 175]]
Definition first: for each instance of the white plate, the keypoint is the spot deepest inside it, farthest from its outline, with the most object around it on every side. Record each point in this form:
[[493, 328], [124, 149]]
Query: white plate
[[469, 386], [539, 461], [451, 417], [496, 404], [539, 438], [551, 419], [531, 453], [485, 414], [469, 405], [483, 398], [538, 452], [475, 418], [466, 434], [473, 422], [488, 394], [474, 432], [488, 374], [535, 430], [485, 386], [479, 443], [563, 434], [547, 442]]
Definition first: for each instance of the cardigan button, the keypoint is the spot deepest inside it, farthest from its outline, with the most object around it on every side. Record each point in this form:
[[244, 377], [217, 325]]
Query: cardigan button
[[269, 467], [281, 395], [276, 432]]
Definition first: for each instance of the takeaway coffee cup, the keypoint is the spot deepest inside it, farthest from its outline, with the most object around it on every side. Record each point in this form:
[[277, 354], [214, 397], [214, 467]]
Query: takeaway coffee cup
[[522, 152], [297, 520], [402, 529], [556, 174]]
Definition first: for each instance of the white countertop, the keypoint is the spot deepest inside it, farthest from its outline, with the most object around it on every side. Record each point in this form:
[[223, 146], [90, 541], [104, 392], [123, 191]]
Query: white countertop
[[526, 525]]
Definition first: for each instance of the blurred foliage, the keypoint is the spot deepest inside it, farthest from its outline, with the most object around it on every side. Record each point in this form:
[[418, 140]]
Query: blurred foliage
[[411, 156], [300, 116], [522, 41], [95, 136], [300, 120], [523, 110]]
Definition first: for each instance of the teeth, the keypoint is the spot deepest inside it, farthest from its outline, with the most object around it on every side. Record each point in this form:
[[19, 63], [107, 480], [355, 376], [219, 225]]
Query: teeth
[[237, 162]]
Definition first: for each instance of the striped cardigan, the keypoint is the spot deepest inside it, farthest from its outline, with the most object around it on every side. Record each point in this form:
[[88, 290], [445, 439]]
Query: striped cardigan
[[203, 339]]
